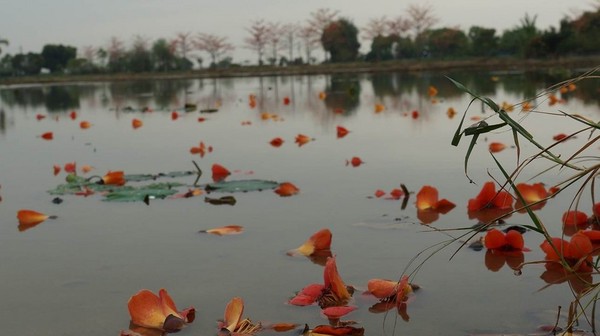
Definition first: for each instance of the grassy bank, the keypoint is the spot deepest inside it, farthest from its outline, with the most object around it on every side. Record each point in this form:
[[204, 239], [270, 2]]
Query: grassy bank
[[493, 64]]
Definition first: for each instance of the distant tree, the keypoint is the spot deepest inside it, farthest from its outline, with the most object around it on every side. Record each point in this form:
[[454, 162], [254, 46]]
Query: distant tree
[[288, 32], [310, 40], [116, 55], [102, 55], [140, 58], [515, 41], [183, 43], [447, 42], [56, 56], [164, 55], [340, 39], [258, 39], [319, 20], [421, 18], [483, 41], [89, 53], [398, 26], [3, 41], [375, 27], [215, 46], [382, 48], [27, 64], [586, 29], [274, 36]]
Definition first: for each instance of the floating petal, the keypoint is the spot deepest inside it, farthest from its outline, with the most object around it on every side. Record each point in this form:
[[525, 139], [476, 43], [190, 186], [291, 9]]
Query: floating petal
[[286, 189], [225, 230]]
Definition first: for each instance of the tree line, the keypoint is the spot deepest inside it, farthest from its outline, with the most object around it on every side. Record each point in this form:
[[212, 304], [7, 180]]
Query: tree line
[[407, 36]]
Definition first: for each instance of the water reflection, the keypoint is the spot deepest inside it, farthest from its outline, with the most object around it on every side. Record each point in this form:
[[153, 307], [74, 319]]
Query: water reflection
[[343, 93]]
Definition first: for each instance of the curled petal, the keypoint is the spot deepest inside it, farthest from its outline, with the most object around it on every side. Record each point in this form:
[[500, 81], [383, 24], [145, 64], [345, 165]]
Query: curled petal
[[333, 280], [219, 172], [319, 241], [145, 309], [233, 313], [382, 288]]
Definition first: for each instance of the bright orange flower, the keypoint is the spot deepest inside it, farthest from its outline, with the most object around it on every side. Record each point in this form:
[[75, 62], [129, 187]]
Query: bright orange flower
[[576, 252], [114, 178], [48, 136], [427, 199], [379, 108], [225, 230], [85, 125], [497, 240], [302, 139], [287, 189], [71, 167], [219, 173], [574, 218], [136, 123], [73, 115], [276, 142], [341, 132], [451, 112], [432, 91], [158, 312], [319, 241], [30, 217], [532, 193], [496, 147], [355, 161], [559, 137], [489, 198]]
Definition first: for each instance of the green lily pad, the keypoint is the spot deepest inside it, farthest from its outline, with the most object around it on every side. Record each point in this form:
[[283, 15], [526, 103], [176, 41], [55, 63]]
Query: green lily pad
[[156, 190], [241, 186]]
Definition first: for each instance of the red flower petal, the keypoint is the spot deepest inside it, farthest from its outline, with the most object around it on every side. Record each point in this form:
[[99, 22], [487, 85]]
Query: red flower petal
[[337, 312], [494, 239], [574, 217]]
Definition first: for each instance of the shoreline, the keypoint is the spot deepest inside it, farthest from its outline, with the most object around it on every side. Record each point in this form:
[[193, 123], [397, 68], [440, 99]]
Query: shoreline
[[407, 66]]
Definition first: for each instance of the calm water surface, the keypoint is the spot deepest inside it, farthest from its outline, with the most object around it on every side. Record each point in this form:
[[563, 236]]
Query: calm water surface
[[74, 275]]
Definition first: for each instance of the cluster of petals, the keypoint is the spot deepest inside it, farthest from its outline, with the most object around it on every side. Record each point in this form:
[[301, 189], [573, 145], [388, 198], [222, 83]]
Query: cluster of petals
[[576, 252], [153, 311], [333, 291], [498, 240]]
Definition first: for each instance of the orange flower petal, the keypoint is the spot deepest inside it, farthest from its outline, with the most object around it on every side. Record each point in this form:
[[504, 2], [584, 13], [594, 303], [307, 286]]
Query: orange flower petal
[[286, 100], [514, 239], [322, 95], [276, 142], [48, 136], [225, 230], [396, 193], [85, 125], [382, 288], [136, 123], [86, 169], [560, 244], [559, 137], [494, 239], [73, 115], [145, 310], [443, 206], [233, 313], [580, 246], [432, 91], [379, 108], [71, 167], [337, 312], [286, 189], [333, 280], [319, 241], [379, 193], [29, 218], [341, 132], [219, 172], [174, 115], [56, 169], [337, 331], [427, 198], [282, 327], [496, 147], [355, 161], [574, 218], [302, 139], [114, 178]]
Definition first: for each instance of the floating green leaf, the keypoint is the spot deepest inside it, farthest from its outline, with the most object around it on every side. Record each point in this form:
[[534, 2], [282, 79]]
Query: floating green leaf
[[157, 190], [241, 185]]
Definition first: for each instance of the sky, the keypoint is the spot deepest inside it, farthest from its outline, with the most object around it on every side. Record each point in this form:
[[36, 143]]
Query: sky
[[30, 24]]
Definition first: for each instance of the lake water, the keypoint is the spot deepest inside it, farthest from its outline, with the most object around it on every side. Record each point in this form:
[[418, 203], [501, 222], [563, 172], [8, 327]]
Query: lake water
[[74, 275]]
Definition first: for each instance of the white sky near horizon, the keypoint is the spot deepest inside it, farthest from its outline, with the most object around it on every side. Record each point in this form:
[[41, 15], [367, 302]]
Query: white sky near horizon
[[30, 24]]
